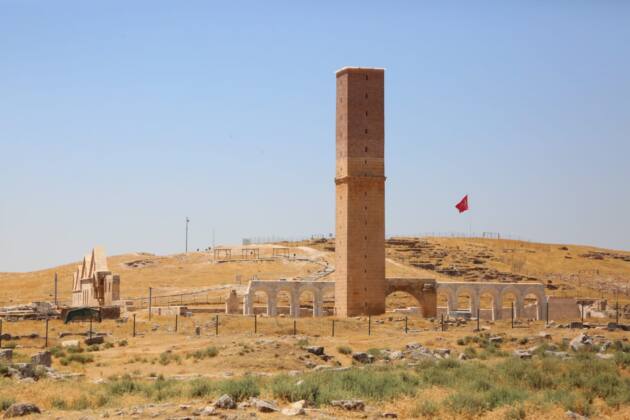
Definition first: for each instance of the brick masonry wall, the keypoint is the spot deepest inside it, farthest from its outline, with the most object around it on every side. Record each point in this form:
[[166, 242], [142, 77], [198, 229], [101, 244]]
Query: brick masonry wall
[[360, 193]]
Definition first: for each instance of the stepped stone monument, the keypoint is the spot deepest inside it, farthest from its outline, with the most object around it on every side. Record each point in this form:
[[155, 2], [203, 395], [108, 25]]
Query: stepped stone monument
[[94, 284]]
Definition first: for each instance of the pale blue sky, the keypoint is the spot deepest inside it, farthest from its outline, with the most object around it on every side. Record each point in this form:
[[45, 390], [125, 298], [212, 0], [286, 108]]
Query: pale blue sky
[[120, 118]]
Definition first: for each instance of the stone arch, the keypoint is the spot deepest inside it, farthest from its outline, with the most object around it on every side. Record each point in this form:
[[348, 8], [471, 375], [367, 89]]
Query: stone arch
[[540, 301], [285, 297], [491, 292], [473, 298], [451, 298], [518, 300], [256, 302], [314, 292], [398, 298]]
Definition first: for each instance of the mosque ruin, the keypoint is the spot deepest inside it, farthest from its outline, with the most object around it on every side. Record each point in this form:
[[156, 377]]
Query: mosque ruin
[[360, 286]]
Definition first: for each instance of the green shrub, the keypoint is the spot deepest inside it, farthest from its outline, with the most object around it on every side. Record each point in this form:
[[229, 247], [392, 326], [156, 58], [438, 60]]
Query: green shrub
[[470, 352], [6, 402], [199, 388], [81, 403], [377, 353], [93, 347], [74, 349], [59, 403], [321, 387], [123, 385], [101, 400], [467, 402], [425, 409], [622, 359], [516, 413], [208, 352], [344, 350], [302, 342], [239, 389], [76, 357], [163, 389], [108, 345], [122, 343], [168, 356], [57, 351]]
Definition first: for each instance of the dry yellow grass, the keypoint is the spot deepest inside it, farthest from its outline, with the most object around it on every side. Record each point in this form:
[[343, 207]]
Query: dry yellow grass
[[274, 349]]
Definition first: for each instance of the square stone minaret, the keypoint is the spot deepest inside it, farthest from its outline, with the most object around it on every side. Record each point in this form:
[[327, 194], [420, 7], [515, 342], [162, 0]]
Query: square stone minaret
[[360, 192]]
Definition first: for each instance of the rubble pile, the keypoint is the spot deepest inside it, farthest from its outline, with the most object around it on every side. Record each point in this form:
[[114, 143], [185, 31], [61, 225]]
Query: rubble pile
[[33, 310]]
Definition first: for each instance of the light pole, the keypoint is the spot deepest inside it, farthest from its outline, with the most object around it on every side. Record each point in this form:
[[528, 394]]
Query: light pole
[[187, 220]]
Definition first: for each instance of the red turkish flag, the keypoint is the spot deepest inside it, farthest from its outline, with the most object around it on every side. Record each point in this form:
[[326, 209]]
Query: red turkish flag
[[462, 206]]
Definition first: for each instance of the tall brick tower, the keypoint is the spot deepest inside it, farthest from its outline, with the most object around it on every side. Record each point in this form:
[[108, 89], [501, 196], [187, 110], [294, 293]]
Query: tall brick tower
[[360, 192]]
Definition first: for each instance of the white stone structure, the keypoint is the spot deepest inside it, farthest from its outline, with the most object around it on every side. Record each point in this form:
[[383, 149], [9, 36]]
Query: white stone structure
[[271, 288], [93, 282], [497, 291], [424, 290]]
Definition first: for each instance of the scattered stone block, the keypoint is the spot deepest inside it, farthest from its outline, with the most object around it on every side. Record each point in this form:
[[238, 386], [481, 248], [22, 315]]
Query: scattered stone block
[[350, 405], [71, 343], [225, 402], [316, 350], [21, 409], [574, 416], [94, 340], [264, 406], [580, 342], [43, 358], [208, 411], [523, 354], [6, 355], [362, 357], [295, 409]]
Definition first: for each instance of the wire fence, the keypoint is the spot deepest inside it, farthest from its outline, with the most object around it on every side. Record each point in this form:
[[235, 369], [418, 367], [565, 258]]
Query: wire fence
[[38, 334], [482, 235]]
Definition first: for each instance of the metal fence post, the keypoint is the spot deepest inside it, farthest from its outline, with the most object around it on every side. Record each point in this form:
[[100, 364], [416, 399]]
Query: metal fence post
[[175, 322], [255, 324], [512, 314], [406, 329], [134, 325], [216, 325], [149, 304], [617, 310], [0, 333], [333, 329], [294, 327], [547, 312], [369, 324], [46, 339], [90, 326], [442, 322], [478, 316]]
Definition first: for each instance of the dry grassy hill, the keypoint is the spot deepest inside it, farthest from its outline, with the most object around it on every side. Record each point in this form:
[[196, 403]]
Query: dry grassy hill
[[569, 270], [164, 372]]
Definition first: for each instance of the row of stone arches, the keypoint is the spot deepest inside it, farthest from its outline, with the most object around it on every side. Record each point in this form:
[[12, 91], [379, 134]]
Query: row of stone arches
[[492, 300], [294, 299]]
